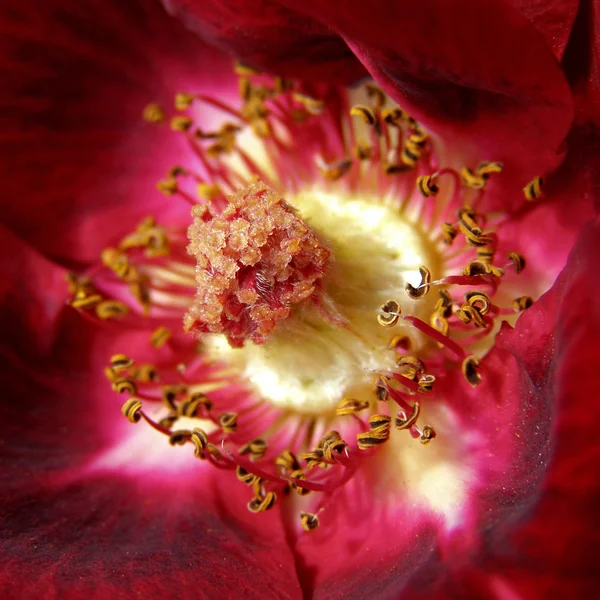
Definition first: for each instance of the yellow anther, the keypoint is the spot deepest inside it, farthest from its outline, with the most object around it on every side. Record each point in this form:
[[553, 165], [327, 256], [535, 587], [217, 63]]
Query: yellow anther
[[256, 448], [417, 138], [111, 309], [485, 254], [407, 421], [421, 291], [426, 184], [168, 421], [468, 314], [363, 151], [245, 476], [466, 216], [287, 461], [470, 372], [150, 222], [480, 301], [426, 383], [522, 303], [334, 170], [449, 232], [181, 123], [533, 190], [282, 85], [124, 385], [261, 127], [208, 191], [412, 367], [380, 388], [518, 261], [298, 475], [332, 445], [153, 113], [146, 373], [160, 337], [393, 116], [228, 422], [478, 267], [244, 88], [427, 435], [86, 301], [120, 362], [243, 69], [471, 179], [389, 313], [116, 261], [350, 406], [379, 432], [314, 458], [309, 521], [312, 105], [411, 153], [168, 186], [110, 374], [485, 169], [131, 410], [259, 504], [170, 393], [180, 437], [200, 441], [183, 101], [365, 113]]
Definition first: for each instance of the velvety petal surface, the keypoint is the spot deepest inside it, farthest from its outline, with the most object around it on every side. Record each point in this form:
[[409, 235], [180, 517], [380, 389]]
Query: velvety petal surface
[[269, 36], [553, 19], [452, 65], [74, 522], [77, 157]]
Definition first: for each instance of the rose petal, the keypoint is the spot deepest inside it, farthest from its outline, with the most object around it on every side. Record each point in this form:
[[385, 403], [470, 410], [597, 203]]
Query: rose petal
[[268, 36], [77, 156], [452, 65], [554, 20], [75, 525]]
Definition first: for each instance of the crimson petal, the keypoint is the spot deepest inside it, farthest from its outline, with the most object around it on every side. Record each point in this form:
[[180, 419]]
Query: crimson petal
[[268, 36], [76, 155], [73, 521], [483, 79]]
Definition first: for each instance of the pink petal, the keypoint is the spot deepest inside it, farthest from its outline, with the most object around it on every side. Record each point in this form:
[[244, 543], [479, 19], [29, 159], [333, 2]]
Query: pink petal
[[484, 80], [268, 36], [77, 156]]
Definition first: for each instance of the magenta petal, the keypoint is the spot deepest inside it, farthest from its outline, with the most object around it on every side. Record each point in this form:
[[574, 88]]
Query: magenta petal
[[484, 80], [77, 156], [271, 37]]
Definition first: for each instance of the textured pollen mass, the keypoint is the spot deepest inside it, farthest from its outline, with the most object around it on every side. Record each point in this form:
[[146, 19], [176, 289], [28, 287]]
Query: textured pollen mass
[[255, 260]]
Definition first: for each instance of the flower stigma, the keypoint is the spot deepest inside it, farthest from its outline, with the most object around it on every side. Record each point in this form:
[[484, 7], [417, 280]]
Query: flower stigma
[[332, 272]]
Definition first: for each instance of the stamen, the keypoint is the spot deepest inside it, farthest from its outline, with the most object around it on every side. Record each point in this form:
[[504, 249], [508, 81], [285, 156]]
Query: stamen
[[533, 190]]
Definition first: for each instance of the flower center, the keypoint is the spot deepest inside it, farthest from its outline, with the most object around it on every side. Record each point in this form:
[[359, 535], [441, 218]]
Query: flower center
[[312, 360], [334, 272]]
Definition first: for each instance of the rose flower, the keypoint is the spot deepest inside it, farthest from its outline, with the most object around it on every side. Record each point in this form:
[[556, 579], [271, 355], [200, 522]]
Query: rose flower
[[319, 322]]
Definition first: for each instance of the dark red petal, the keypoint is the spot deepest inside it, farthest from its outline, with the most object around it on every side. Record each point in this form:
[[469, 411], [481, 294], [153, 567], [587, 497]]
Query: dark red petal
[[556, 548], [484, 80], [76, 155], [581, 63], [554, 20], [111, 537], [74, 521], [271, 37]]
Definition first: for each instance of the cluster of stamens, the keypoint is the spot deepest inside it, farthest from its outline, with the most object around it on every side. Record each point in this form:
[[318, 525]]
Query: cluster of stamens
[[251, 259]]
